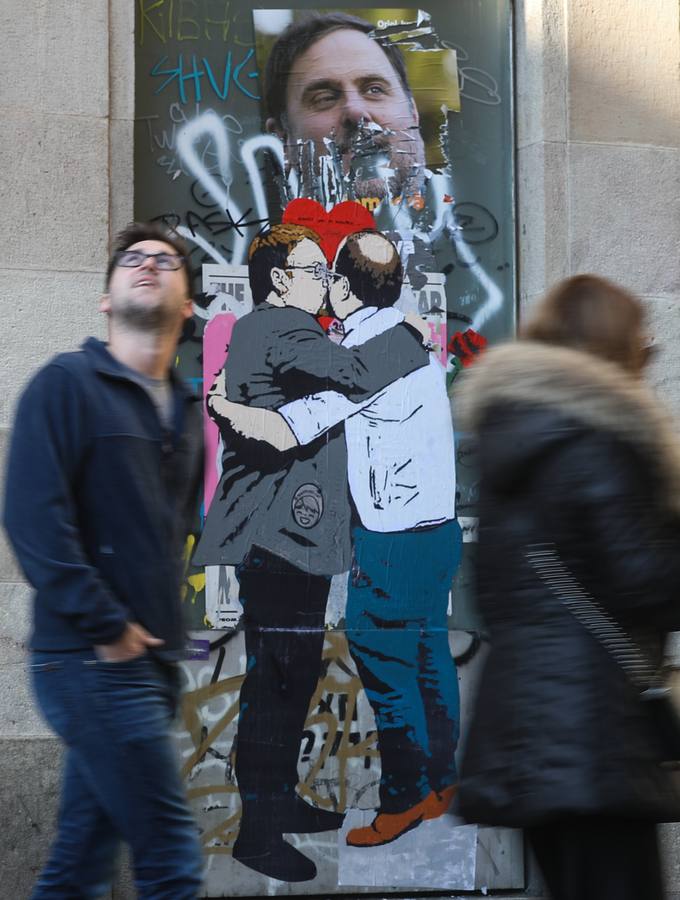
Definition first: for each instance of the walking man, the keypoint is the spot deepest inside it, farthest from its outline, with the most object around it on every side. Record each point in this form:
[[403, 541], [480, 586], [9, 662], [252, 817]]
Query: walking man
[[104, 467]]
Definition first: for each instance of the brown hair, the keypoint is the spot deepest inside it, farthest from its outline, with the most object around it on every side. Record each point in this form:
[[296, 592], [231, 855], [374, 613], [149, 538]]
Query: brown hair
[[299, 37], [271, 250], [136, 232], [592, 314]]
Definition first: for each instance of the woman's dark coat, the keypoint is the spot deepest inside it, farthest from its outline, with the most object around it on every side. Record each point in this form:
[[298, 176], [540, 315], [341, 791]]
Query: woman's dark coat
[[574, 452]]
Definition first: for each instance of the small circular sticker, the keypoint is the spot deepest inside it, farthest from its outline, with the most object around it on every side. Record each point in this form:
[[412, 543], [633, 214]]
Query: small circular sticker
[[307, 505]]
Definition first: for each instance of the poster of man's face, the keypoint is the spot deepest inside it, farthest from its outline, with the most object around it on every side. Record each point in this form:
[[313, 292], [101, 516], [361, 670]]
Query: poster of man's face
[[359, 99]]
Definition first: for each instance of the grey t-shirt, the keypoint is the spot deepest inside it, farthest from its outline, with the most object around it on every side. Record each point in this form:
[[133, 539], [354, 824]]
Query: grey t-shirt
[[160, 391]]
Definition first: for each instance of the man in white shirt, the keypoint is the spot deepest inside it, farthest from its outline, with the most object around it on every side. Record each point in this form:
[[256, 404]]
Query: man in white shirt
[[401, 470]]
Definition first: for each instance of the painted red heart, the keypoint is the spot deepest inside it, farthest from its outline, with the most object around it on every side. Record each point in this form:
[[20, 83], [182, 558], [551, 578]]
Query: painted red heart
[[343, 219]]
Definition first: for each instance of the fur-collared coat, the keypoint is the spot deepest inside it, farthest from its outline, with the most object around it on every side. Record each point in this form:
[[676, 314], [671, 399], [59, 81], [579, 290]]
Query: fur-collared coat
[[575, 452]]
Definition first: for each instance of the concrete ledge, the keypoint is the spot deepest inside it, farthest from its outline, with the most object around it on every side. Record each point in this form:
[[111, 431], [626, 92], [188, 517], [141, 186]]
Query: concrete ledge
[[29, 791]]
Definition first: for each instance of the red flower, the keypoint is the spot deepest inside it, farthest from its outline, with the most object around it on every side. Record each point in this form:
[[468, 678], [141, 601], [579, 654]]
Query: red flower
[[467, 345]]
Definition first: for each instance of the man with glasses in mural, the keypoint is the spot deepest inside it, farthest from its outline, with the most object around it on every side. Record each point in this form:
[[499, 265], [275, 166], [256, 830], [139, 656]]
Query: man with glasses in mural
[[406, 548], [103, 478], [283, 520]]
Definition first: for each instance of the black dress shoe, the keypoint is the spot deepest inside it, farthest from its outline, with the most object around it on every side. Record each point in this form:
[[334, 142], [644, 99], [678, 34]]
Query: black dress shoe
[[299, 817], [274, 857]]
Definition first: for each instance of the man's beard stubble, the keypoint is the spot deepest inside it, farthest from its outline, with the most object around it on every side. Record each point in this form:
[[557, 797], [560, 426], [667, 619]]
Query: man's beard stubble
[[143, 318]]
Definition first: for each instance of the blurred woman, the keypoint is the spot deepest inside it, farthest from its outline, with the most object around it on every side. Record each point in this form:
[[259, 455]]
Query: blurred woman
[[574, 454]]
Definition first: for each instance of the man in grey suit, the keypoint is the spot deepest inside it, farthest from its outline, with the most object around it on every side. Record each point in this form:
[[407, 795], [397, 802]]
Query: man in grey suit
[[283, 520]]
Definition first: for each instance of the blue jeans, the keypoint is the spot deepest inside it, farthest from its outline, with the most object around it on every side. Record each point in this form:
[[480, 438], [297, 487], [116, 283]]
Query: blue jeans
[[121, 779], [397, 632]]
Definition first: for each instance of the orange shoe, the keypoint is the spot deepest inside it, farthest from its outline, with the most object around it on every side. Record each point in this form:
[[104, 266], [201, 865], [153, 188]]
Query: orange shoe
[[386, 827], [438, 802]]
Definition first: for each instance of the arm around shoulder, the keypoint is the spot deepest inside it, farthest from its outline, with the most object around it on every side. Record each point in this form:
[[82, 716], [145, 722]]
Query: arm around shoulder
[[356, 372]]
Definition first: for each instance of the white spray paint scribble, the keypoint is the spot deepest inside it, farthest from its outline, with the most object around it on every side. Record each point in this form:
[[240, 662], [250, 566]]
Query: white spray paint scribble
[[209, 124]]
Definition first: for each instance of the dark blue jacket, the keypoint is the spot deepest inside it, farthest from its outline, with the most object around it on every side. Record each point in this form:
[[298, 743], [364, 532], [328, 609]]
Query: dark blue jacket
[[99, 501]]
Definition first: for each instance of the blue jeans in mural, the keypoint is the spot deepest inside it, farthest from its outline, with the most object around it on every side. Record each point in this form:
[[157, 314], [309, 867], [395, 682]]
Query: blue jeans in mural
[[121, 778], [397, 633]]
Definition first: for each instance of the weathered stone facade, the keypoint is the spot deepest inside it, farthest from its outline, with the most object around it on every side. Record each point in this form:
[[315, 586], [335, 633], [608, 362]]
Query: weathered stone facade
[[598, 182]]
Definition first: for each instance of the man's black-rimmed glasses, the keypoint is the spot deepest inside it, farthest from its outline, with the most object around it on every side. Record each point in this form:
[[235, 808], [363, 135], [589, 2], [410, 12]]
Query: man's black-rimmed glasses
[[131, 259]]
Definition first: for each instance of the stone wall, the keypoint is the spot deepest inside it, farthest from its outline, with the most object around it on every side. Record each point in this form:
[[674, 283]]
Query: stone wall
[[598, 181], [598, 155]]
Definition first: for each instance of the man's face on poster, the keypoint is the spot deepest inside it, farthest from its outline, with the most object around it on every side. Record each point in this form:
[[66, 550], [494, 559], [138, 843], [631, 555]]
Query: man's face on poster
[[344, 87], [302, 284]]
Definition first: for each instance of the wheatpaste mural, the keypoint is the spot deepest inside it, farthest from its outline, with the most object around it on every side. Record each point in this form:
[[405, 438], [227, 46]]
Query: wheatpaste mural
[[314, 161]]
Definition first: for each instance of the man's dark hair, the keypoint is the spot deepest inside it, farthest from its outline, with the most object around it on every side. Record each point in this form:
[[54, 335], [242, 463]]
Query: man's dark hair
[[149, 231], [271, 250], [299, 37], [376, 282]]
